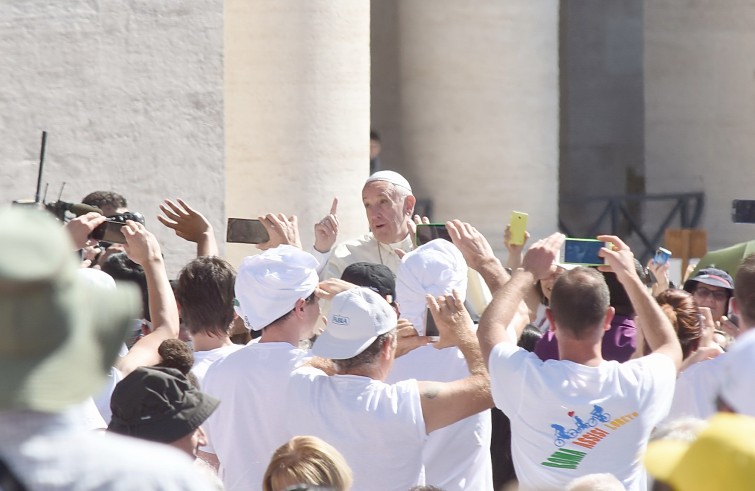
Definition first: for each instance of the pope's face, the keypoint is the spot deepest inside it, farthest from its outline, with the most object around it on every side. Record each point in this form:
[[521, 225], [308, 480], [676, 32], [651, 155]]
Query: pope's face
[[388, 212]]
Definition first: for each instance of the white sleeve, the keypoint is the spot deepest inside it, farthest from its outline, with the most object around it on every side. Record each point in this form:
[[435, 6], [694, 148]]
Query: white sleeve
[[322, 258], [508, 365]]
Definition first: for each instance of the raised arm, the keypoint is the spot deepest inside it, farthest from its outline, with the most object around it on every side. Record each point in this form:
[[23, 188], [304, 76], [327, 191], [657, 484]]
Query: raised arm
[[142, 248], [507, 299], [657, 329], [478, 254], [190, 225], [444, 403]]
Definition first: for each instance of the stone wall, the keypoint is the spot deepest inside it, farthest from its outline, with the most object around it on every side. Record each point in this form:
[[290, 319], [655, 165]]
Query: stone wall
[[131, 95], [700, 109]]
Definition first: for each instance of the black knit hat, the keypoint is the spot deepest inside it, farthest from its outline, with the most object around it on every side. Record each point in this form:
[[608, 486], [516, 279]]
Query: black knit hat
[[377, 277], [158, 404]]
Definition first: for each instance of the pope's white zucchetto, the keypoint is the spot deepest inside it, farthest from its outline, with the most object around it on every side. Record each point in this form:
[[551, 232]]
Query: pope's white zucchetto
[[268, 285], [390, 176]]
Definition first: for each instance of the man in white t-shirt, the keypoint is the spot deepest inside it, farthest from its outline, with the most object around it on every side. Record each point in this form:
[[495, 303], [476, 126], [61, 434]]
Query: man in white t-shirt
[[205, 301], [275, 291], [581, 414], [379, 428]]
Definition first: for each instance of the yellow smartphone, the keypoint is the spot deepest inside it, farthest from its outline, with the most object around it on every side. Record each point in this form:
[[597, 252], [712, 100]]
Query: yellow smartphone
[[517, 227]]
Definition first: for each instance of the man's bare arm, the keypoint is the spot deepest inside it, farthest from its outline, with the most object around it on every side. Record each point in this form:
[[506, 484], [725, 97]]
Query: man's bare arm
[[506, 301], [658, 331], [142, 248], [478, 254]]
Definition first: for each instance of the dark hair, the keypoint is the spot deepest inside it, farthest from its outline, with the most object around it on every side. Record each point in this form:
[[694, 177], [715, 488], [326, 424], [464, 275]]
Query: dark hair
[[618, 297], [744, 288], [681, 309], [374, 135], [205, 291], [579, 301], [121, 268], [174, 353], [105, 198], [367, 356], [529, 338], [310, 299]]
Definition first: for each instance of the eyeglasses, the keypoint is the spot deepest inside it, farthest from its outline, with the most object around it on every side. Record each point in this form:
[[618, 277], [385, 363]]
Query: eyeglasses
[[704, 294]]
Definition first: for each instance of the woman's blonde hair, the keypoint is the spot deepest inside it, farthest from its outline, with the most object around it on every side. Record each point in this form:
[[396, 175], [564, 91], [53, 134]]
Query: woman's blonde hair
[[307, 460]]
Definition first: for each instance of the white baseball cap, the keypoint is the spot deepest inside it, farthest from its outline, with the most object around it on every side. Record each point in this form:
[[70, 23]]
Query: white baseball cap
[[357, 317]]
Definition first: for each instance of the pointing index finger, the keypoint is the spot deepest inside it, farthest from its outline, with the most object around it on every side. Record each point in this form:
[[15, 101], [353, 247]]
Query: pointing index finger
[[334, 206]]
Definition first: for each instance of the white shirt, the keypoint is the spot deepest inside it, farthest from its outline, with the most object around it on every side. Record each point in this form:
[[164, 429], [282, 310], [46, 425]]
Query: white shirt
[[203, 359], [56, 452], [365, 249], [249, 424], [456, 457], [569, 420], [379, 428]]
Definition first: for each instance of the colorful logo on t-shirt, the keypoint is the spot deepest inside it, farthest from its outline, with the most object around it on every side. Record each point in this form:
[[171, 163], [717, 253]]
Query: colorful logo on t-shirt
[[563, 434], [584, 434]]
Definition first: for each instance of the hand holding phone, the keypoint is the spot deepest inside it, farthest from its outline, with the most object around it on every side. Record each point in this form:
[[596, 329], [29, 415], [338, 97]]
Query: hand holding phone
[[517, 228], [109, 231], [661, 256]]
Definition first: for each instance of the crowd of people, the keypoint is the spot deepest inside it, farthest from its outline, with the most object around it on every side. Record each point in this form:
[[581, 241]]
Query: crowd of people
[[316, 368]]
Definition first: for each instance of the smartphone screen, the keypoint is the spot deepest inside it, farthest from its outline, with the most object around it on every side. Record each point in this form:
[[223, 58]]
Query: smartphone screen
[[518, 227], [661, 256], [430, 328], [110, 231], [583, 251], [246, 231], [431, 231], [743, 211]]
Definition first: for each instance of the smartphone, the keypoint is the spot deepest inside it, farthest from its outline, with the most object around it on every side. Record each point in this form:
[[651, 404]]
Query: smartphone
[[743, 211], [246, 231], [661, 256], [518, 226], [110, 231], [431, 329], [431, 231], [583, 252]]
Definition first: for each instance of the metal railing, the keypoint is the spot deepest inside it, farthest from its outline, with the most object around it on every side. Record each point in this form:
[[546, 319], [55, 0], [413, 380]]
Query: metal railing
[[622, 215]]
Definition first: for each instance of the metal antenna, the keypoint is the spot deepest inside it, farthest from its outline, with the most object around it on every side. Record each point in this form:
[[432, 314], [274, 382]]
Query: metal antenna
[[41, 165]]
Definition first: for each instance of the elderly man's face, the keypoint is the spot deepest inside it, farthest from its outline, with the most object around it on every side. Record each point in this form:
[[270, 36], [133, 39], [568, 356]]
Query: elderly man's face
[[387, 211]]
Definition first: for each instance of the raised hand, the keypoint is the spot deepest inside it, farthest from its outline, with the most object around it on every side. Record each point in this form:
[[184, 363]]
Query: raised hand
[[281, 229], [326, 230]]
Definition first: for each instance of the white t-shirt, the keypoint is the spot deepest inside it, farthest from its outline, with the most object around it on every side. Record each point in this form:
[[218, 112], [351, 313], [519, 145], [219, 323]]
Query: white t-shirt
[[569, 420], [379, 428], [203, 359], [249, 425], [456, 457]]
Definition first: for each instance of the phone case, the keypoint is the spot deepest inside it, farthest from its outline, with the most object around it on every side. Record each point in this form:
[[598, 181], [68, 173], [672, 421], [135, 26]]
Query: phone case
[[518, 227]]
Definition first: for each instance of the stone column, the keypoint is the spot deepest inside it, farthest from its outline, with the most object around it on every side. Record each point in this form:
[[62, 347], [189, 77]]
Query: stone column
[[479, 110], [699, 118], [297, 102]]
